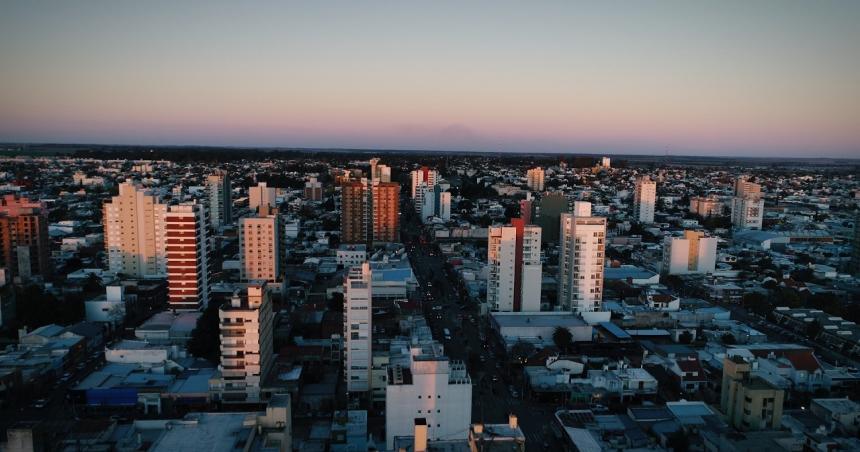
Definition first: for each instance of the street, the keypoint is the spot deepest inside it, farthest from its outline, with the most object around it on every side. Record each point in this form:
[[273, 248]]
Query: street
[[473, 343]]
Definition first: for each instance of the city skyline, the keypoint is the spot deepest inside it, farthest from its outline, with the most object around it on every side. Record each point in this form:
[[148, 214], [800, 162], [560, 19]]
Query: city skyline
[[767, 79]]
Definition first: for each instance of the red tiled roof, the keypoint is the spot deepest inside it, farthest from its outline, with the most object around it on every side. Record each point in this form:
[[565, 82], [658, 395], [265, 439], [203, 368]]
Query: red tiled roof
[[801, 359], [690, 365]]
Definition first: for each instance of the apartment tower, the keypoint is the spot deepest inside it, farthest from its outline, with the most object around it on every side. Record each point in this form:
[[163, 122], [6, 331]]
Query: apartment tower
[[246, 343], [582, 236], [219, 191], [436, 203], [513, 254], [135, 233], [354, 212], [357, 327], [385, 211], [644, 200], [706, 206], [260, 246], [693, 253], [24, 235], [313, 189], [423, 177], [370, 212], [187, 238], [262, 195], [534, 179], [381, 173], [747, 205]]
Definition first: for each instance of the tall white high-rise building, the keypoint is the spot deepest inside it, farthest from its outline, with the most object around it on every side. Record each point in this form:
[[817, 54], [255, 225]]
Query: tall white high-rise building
[[513, 255], [220, 194], [580, 281], [381, 173], [134, 233], [747, 205], [605, 162], [259, 247], [435, 203], [428, 178], [693, 253], [246, 325], [187, 239], [358, 328], [431, 387], [262, 195], [534, 179], [644, 200]]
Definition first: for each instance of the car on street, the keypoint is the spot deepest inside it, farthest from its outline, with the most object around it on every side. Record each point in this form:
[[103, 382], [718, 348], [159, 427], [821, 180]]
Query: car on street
[[40, 403]]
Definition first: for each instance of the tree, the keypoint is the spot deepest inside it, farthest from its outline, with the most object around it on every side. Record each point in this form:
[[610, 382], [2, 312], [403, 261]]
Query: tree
[[728, 339], [512, 211], [673, 281], [685, 337], [756, 302], [336, 303], [36, 308], [562, 338], [789, 297], [521, 351], [813, 328], [678, 441], [205, 339]]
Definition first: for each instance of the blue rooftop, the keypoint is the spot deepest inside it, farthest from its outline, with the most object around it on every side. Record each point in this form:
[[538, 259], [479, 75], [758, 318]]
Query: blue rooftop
[[627, 271], [615, 330]]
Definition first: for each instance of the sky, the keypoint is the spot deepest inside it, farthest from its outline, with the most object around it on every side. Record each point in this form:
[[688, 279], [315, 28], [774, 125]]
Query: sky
[[761, 78]]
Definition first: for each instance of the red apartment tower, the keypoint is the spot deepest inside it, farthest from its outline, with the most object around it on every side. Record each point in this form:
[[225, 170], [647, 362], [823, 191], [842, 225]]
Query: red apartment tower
[[24, 237], [187, 239]]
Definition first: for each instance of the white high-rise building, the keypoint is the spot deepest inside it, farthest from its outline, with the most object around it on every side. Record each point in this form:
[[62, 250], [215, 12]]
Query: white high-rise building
[[134, 233], [534, 179], [434, 203], [747, 212], [605, 162], [262, 195], [187, 238], [580, 281], [644, 200], [747, 205], [431, 387], [424, 176], [381, 173], [246, 343], [358, 328], [513, 255], [220, 194], [693, 253], [259, 247]]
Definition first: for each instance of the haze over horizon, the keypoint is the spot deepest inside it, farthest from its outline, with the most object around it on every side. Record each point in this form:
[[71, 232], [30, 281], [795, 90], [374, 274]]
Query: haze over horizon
[[765, 79]]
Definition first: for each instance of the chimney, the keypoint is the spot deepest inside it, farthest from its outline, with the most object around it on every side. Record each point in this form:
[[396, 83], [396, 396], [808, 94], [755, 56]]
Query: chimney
[[420, 434], [512, 421]]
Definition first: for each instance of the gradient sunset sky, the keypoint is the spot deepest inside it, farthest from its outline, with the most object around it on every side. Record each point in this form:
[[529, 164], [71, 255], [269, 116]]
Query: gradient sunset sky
[[751, 78]]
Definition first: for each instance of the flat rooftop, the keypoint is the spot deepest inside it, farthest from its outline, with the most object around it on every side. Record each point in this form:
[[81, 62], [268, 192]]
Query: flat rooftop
[[212, 432], [548, 319]]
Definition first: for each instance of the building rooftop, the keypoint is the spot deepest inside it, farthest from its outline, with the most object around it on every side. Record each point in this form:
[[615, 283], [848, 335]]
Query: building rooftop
[[627, 271], [838, 406], [548, 319]]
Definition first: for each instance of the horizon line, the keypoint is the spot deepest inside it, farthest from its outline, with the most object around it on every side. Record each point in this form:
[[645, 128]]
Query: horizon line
[[417, 150]]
